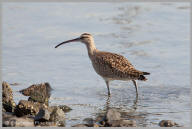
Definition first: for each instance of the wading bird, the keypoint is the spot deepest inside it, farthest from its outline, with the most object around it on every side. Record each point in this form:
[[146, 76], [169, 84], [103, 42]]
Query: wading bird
[[109, 66]]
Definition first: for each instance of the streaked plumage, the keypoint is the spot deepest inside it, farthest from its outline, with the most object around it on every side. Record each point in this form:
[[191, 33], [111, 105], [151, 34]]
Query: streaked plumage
[[115, 67], [108, 65]]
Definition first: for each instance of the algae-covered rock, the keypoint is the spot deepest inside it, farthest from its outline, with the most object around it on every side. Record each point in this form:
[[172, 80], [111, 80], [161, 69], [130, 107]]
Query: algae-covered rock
[[25, 107], [38, 92], [50, 116], [167, 123], [43, 115], [8, 102], [58, 116]]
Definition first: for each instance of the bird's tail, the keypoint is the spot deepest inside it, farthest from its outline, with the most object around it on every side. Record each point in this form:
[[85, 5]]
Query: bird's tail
[[146, 73], [142, 77]]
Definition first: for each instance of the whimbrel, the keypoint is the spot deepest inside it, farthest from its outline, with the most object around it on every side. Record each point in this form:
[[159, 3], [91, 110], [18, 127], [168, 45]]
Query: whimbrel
[[109, 66]]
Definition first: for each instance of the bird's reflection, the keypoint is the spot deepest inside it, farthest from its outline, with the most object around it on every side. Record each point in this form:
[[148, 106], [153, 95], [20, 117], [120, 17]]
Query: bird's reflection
[[108, 105], [135, 103], [101, 116]]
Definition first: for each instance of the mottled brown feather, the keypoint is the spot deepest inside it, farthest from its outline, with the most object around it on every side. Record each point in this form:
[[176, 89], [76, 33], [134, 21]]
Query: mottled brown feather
[[115, 66]]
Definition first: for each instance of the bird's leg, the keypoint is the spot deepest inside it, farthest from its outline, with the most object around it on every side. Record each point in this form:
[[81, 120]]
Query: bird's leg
[[107, 103], [135, 84], [107, 83]]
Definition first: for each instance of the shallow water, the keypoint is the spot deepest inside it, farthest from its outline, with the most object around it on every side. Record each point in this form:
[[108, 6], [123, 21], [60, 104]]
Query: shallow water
[[155, 37]]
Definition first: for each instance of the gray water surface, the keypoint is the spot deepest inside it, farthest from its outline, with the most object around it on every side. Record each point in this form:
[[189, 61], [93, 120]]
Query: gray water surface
[[155, 37]]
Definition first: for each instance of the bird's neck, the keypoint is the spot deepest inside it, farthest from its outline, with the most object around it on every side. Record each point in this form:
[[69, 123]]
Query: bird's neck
[[91, 48]]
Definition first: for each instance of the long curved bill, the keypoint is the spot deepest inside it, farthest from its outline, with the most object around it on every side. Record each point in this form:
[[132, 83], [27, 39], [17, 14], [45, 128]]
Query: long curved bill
[[72, 40]]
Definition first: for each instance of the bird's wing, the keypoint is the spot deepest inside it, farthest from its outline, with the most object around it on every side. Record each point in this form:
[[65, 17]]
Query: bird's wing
[[117, 63]]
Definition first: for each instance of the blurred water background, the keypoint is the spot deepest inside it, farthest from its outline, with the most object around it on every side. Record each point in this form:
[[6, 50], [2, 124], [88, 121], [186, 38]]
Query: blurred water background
[[155, 37]]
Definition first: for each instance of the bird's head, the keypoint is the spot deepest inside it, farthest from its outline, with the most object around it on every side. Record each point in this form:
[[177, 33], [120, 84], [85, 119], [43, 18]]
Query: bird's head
[[85, 38]]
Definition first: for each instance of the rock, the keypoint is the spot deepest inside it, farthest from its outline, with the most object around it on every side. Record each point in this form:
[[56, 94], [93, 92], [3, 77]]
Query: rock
[[43, 115], [38, 92], [128, 123], [30, 99], [58, 116], [14, 84], [89, 122], [65, 108], [96, 125], [115, 123], [167, 123], [10, 120], [102, 122], [112, 115], [80, 125], [105, 119], [44, 123], [123, 123], [8, 102], [25, 107], [50, 116], [113, 119], [3, 110]]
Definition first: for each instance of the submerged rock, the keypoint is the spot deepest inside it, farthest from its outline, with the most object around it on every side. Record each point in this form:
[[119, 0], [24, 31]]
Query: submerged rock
[[25, 107], [38, 92], [123, 123], [89, 122], [10, 120], [14, 84], [112, 118], [65, 108], [80, 125], [168, 123], [8, 102]]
